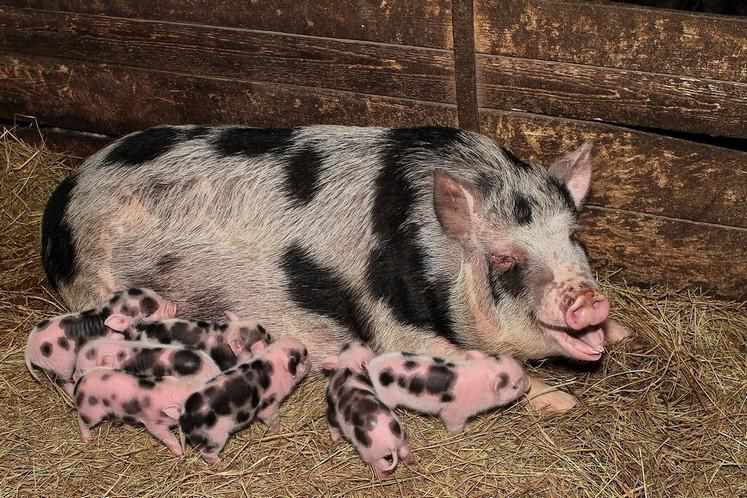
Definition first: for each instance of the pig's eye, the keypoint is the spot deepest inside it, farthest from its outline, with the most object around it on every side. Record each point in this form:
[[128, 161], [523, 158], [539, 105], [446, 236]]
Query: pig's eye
[[502, 263]]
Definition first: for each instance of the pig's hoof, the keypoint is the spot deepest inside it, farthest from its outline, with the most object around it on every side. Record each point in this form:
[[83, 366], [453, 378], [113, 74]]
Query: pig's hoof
[[551, 402], [615, 332]]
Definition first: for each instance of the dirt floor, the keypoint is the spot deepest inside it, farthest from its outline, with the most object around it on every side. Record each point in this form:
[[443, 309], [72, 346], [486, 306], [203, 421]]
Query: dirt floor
[[663, 414]]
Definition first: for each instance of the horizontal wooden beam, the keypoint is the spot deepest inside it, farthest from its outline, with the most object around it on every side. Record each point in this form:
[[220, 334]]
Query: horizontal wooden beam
[[613, 95], [114, 100], [614, 35], [372, 68], [636, 171], [425, 23]]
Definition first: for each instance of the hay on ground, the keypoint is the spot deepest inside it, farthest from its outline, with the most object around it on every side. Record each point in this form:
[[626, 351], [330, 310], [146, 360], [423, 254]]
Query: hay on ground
[[661, 415]]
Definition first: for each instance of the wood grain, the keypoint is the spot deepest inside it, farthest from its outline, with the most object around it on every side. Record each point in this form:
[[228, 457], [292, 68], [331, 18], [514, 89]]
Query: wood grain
[[614, 35], [418, 73], [636, 171], [464, 62], [115, 100], [613, 95], [678, 253], [425, 23]]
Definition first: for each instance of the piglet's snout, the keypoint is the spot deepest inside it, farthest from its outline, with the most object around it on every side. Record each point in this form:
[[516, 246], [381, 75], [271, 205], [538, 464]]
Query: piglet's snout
[[515, 379], [589, 308]]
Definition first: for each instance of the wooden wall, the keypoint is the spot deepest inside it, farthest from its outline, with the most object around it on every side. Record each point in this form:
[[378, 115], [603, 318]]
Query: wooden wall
[[538, 76]]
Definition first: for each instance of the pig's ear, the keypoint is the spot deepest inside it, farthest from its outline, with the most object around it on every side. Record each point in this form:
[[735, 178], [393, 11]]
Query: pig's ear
[[236, 346], [173, 412], [474, 354], [117, 322], [231, 316], [455, 205], [329, 363], [574, 171]]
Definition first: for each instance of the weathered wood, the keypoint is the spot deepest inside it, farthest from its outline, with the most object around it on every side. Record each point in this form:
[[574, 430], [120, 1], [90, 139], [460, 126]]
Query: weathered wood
[[613, 95], [116, 100], [464, 62], [636, 171], [418, 73], [425, 23], [615, 35], [681, 254]]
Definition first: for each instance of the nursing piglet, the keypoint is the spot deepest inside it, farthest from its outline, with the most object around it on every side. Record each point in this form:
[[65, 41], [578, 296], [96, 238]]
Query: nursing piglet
[[454, 391], [53, 344], [103, 393], [354, 411], [231, 401]]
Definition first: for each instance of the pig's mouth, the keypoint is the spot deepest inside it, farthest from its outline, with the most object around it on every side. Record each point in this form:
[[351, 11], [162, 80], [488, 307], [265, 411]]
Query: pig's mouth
[[585, 345]]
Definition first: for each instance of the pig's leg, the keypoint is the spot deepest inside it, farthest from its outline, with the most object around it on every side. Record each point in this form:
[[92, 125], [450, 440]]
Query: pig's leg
[[163, 434], [210, 457], [454, 422], [334, 434], [68, 387], [85, 431], [615, 332], [546, 399], [270, 417], [405, 455]]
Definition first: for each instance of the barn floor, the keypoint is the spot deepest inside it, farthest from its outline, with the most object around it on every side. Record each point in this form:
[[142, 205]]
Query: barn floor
[[664, 414]]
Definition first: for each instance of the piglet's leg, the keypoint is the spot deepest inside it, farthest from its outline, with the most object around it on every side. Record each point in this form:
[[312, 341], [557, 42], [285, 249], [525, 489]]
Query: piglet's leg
[[85, 431], [548, 400], [210, 457], [69, 387], [615, 332], [163, 434], [334, 434]]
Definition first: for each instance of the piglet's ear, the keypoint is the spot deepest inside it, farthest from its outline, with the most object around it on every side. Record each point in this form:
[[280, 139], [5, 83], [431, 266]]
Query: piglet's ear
[[329, 363], [455, 205], [474, 354], [574, 171], [173, 412], [231, 316], [236, 346], [117, 322]]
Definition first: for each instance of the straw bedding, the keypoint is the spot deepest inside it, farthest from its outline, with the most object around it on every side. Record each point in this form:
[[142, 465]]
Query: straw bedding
[[663, 414]]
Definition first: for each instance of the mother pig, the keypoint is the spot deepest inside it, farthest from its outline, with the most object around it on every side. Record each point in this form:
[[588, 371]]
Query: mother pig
[[427, 240]]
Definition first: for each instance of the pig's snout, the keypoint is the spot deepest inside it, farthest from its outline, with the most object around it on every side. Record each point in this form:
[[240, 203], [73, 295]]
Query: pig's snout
[[514, 379], [588, 309]]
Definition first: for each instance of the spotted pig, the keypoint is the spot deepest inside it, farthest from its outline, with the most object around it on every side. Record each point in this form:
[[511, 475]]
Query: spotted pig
[[354, 412], [228, 342], [453, 391], [252, 390], [106, 394], [431, 240], [144, 359], [53, 344]]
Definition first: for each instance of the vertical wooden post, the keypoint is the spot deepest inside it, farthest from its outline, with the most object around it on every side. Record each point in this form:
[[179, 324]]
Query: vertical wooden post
[[463, 29]]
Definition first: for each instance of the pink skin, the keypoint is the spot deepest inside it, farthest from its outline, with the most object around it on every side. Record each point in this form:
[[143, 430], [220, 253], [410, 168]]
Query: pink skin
[[480, 383], [386, 448], [116, 389], [114, 354]]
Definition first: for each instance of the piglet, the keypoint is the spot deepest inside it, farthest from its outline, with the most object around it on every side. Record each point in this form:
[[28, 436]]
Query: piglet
[[454, 391], [252, 390], [228, 343], [144, 359], [103, 393], [53, 344], [354, 411]]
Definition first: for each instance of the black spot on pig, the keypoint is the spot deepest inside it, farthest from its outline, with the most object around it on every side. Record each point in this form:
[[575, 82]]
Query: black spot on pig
[[46, 349], [362, 437], [386, 377], [89, 325], [156, 331], [447, 398], [186, 362], [195, 133], [522, 209], [558, 187], [242, 417], [143, 146], [340, 379], [302, 175], [57, 248], [438, 359], [121, 356], [223, 356], [402, 382], [106, 377], [439, 380], [79, 398], [332, 414], [93, 400], [251, 142], [344, 348], [395, 428], [323, 291], [63, 343], [135, 291], [132, 406], [105, 402], [417, 384], [127, 419], [238, 390], [146, 383], [194, 402], [42, 325], [293, 361], [410, 365], [86, 420], [91, 354], [509, 282], [148, 305], [503, 380], [365, 379], [221, 403], [210, 419], [515, 161]]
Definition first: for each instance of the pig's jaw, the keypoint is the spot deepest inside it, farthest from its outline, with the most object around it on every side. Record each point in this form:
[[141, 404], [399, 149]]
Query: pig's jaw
[[584, 346]]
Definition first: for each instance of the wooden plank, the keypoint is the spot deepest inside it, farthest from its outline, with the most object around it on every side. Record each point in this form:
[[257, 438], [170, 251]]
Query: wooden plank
[[418, 73], [464, 62], [425, 23], [76, 146], [618, 36], [114, 100], [614, 95], [681, 254], [634, 170]]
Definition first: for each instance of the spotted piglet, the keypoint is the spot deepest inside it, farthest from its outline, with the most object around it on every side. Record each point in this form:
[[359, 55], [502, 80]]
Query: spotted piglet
[[228, 343], [454, 391], [354, 411], [252, 390], [144, 359], [106, 394], [53, 344]]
